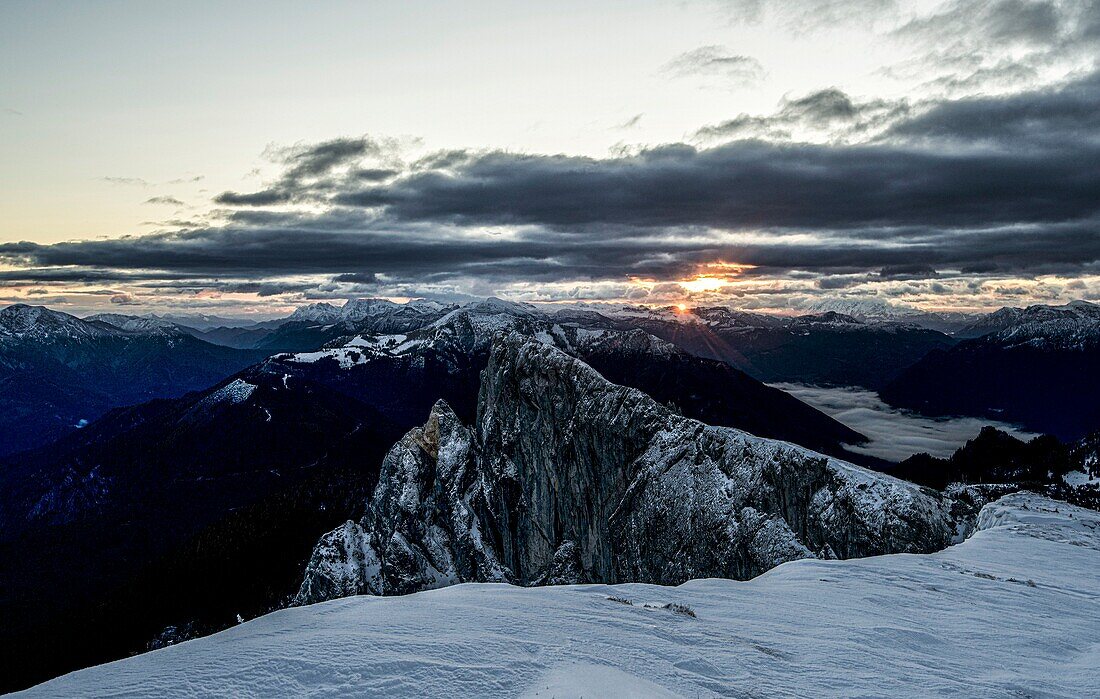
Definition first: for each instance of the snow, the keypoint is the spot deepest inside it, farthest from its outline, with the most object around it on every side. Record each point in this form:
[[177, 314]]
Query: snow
[[1073, 327], [236, 391], [346, 357], [589, 679], [317, 313], [136, 324], [20, 322], [1080, 478], [1013, 611]]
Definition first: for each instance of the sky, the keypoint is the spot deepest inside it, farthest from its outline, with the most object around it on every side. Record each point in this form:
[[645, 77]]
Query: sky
[[248, 157]]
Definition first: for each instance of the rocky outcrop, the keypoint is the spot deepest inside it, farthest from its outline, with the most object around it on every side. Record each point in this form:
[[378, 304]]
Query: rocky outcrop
[[422, 529], [571, 478]]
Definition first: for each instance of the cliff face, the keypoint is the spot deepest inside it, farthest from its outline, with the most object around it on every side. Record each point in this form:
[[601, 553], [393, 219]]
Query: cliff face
[[568, 477], [422, 529]]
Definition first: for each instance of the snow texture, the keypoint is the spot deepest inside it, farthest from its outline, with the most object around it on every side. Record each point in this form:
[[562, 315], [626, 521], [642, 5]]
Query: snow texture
[[1012, 612]]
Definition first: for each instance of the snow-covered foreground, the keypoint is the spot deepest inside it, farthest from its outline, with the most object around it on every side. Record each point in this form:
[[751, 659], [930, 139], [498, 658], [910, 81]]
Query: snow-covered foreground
[[1012, 612]]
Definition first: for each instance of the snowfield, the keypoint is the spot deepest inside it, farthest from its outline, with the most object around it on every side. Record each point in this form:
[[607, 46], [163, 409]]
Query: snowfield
[[1014, 611]]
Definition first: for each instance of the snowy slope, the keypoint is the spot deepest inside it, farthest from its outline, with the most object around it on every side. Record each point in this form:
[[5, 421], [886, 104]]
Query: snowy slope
[[1074, 326], [1014, 611], [30, 324]]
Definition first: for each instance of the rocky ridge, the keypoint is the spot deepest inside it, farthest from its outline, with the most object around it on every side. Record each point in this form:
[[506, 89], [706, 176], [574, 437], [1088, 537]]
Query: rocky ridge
[[568, 477]]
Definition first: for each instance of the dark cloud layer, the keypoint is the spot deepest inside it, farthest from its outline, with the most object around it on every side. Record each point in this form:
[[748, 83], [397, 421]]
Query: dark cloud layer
[[989, 185]]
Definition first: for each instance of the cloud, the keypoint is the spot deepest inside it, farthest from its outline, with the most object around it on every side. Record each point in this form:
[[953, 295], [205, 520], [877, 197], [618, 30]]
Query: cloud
[[265, 197], [132, 181], [717, 61], [1055, 117], [631, 122], [1002, 187], [993, 45], [830, 111], [802, 16], [166, 200], [981, 22], [894, 434], [356, 278], [314, 164], [907, 271]]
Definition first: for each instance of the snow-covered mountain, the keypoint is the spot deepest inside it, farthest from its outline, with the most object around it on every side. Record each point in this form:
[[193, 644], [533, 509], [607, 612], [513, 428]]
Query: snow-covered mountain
[[321, 312], [828, 348], [357, 310], [825, 348], [1075, 326], [448, 355], [1009, 612], [568, 477], [138, 324], [58, 372], [1039, 367], [208, 505], [27, 324], [882, 311]]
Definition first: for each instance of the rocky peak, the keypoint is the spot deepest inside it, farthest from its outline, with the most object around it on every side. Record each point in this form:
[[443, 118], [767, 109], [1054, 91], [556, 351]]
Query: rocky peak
[[826, 318], [23, 322], [137, 324], [358, 309], [568, 476], [317, 313]]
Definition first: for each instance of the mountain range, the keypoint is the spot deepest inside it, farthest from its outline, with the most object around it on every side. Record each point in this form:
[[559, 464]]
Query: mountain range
[[155, 485], [1038, 367], [58, 372], [181, 507], [569, 478]]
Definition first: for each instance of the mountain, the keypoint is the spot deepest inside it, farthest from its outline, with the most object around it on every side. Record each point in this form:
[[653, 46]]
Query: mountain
[[875, 310], [567, 477], [58, 372], [308, 328], [828, 348], [1069, 472], [139, 324], [206, 321], [175, 513], [993, 456], [316, 313], [445, 358], [1039, 367], [1007, 612], [314, 325]]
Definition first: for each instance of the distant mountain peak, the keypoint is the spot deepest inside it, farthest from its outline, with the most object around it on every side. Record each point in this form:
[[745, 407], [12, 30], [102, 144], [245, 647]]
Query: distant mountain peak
[[358, 309], [138, 324], [1074, 326], [316, 312], [827, 318], [24, 322]]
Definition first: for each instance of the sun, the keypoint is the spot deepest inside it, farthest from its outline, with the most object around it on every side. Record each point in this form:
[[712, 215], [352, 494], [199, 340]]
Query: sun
[[704, 283], [681, 308]]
